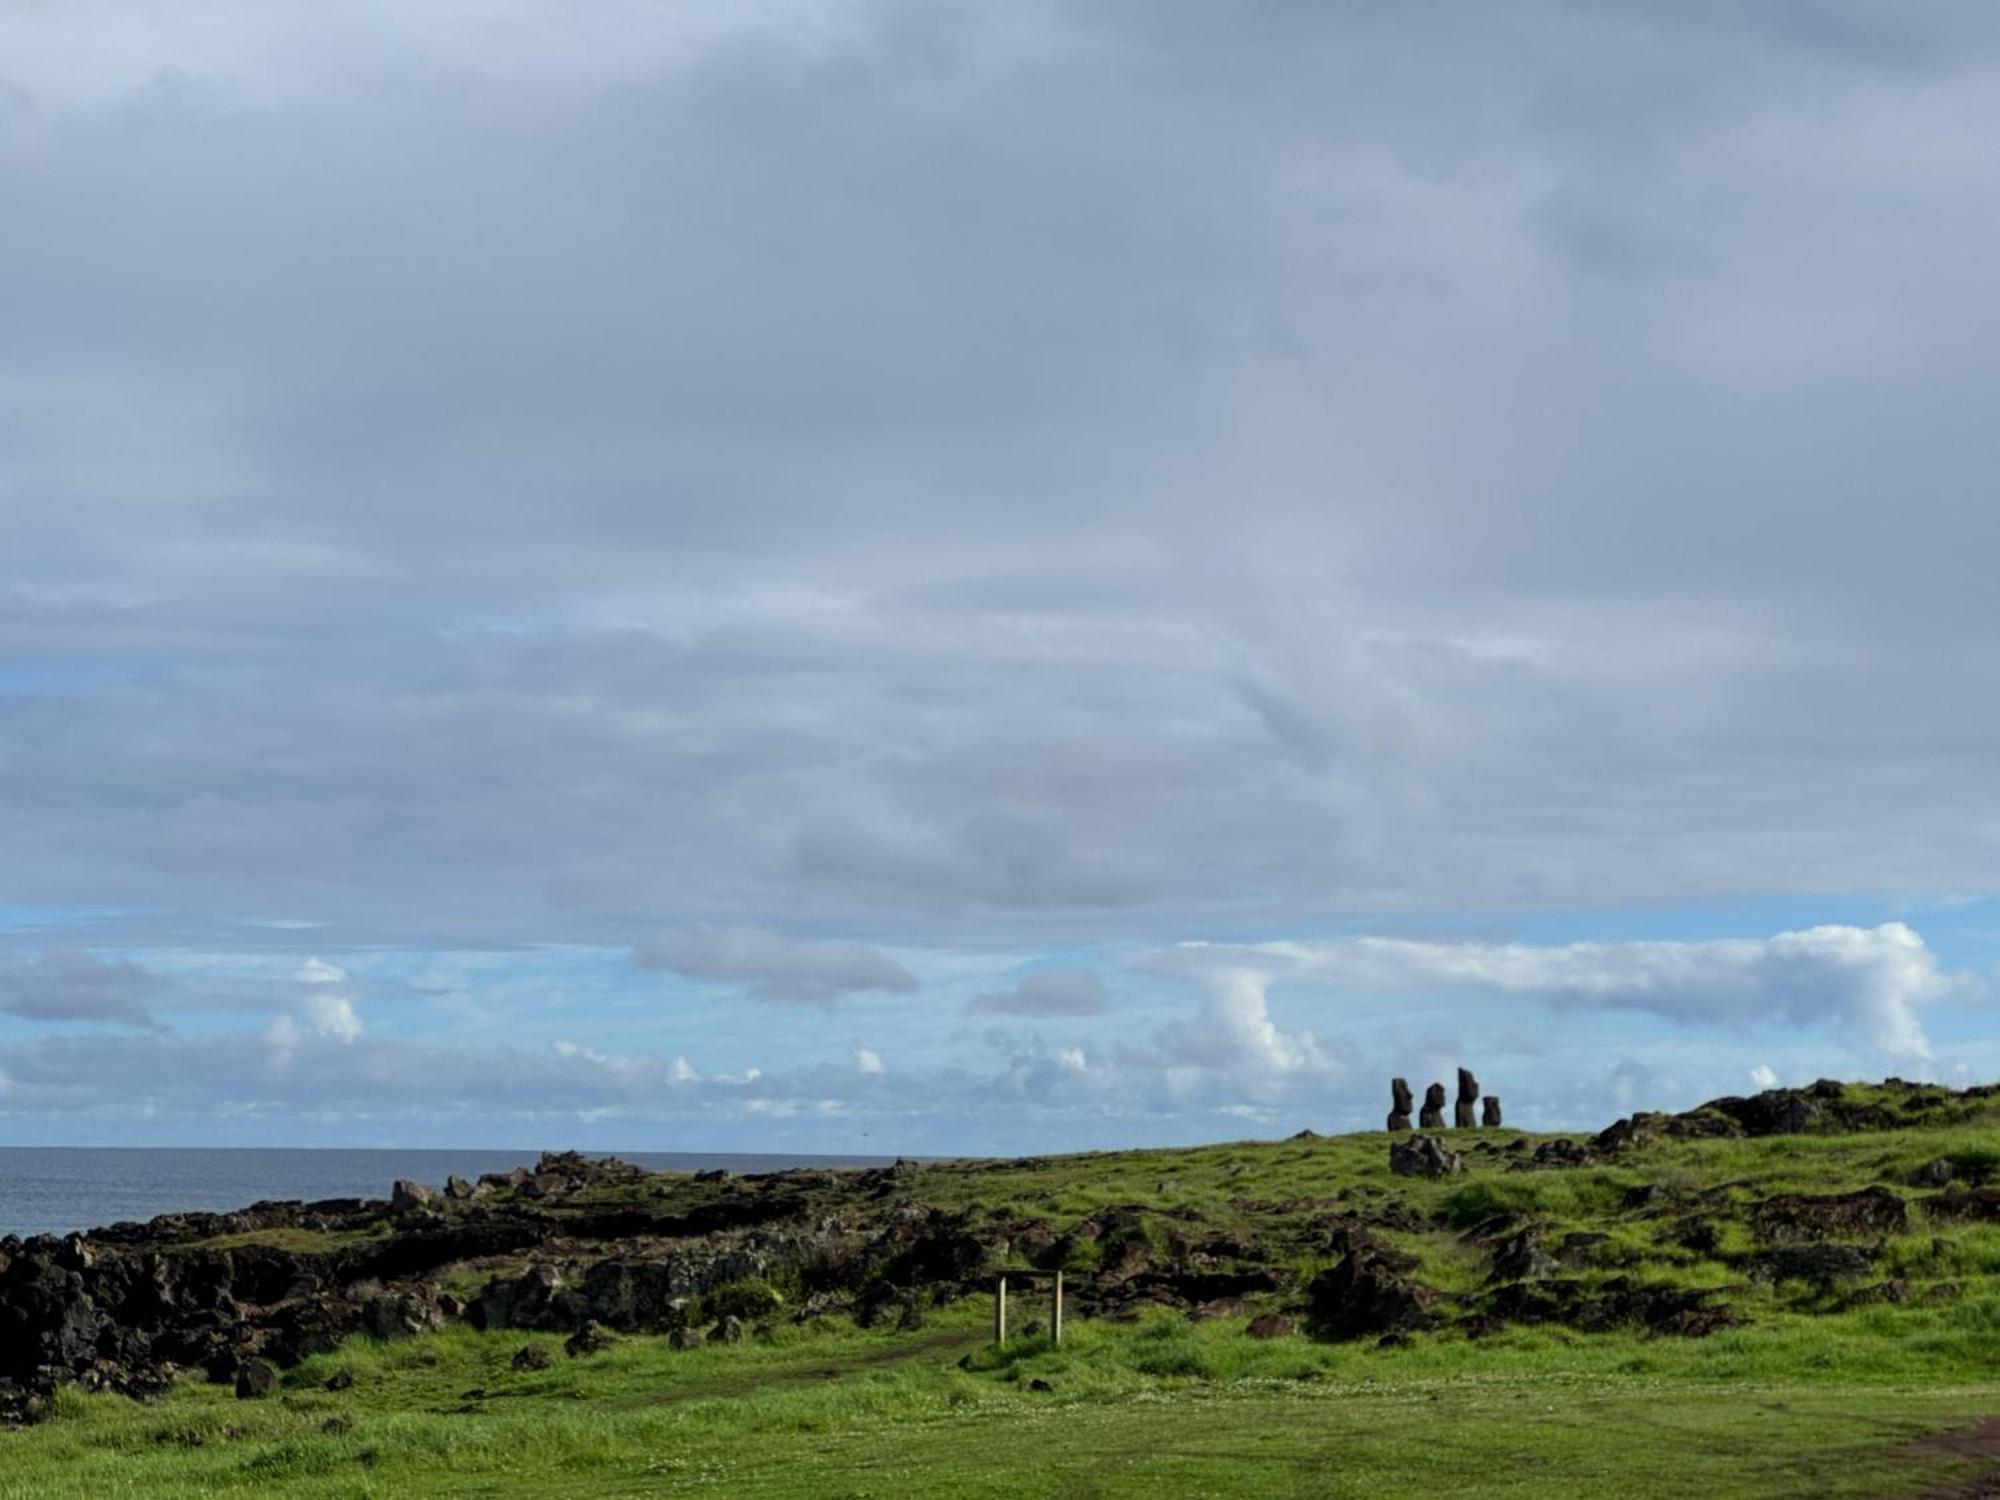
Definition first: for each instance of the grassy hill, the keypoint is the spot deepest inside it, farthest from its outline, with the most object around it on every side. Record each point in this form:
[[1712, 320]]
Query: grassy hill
[[1681, 1309]]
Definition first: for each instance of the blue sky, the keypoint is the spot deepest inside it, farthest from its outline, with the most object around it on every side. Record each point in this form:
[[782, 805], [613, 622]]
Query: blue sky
[[905, 575]]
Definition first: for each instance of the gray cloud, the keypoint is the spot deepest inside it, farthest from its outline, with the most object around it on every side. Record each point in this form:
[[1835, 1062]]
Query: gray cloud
[[70, 985], [772, 966], [1047, 992], [1087, 473]]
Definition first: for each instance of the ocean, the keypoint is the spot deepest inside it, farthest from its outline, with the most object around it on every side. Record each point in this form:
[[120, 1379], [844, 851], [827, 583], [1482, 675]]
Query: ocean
[[56, 1189]]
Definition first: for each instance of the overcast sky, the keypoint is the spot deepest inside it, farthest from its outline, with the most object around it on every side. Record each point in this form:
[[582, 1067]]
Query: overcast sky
[[926, 576]]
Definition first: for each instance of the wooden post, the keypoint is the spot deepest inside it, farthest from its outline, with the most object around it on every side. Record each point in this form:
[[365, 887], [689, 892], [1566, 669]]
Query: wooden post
[[1055, 1311], [1000, 1310]]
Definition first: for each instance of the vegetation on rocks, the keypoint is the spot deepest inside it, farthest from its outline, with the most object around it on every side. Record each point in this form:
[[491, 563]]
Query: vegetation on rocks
[[1776, 1296]]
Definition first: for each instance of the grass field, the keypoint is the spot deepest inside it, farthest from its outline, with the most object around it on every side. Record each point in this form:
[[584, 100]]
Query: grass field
[[1816, 1393]]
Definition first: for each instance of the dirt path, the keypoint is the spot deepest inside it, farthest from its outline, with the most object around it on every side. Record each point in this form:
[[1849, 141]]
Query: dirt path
[[1980, 1441]]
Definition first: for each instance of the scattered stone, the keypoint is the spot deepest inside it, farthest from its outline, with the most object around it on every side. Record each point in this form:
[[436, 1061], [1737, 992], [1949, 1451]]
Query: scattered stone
[[1490, 1112], [1271, 1326], [1040, 1385], [255, 1379], [592, 1338], [1824, 1265], [340, 1380], [407, 1195], [458, 1187], [1468, 1095], [728, 1330], [1791, 1218], [1424, 1156], [1520, 1257], [685, 1338], [1431, 1117], [911, 1318], [1400, 1104], [530, 1357]]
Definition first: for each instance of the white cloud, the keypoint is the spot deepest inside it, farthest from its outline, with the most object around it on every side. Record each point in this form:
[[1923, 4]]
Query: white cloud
[[333, 1016], [1762, 1077], [867, 1061], [318, 971], [1865, 983]]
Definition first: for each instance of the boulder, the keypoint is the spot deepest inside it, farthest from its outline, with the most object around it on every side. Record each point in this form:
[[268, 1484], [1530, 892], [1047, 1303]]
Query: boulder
[[1432, 1115], [685, 1338], [530, 1357], [1366, 1296], [255, 1378], [1424, 1156], [406, 1195], [592, 1338], [1271, 1326], [458, 1187], [728, 1331]]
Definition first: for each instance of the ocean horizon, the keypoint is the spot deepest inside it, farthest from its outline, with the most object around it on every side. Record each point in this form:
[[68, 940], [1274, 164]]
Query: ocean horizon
[[60, 1189]]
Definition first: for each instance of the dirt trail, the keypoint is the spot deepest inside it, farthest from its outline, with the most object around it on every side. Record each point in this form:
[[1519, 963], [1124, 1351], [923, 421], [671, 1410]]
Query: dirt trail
[[931, 1344], [1980, 1441]]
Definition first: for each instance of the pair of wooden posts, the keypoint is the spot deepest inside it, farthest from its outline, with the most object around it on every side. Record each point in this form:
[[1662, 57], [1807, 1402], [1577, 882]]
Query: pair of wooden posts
[[1054, 1278]]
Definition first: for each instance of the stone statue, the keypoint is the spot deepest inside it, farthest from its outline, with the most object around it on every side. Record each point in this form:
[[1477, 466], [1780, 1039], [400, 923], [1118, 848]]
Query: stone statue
[[1491, 1119], [1432, 1117], [1468, 1095], [1400, 1104]]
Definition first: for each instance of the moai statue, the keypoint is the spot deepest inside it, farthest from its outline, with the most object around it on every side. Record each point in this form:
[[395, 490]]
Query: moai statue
[[1490, 1120], [1468, 1095], [1432, 1117], [1400, 1104]]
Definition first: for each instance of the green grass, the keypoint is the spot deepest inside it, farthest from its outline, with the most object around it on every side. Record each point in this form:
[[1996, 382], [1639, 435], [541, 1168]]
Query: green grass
[[1814, 1395]]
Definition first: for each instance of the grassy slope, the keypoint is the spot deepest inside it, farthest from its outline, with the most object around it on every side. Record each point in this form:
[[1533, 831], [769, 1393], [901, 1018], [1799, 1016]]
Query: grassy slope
[[1804, 1400]]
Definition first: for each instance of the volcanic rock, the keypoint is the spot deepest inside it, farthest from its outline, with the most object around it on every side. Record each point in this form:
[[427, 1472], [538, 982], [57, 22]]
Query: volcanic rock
[[1424, 1156]]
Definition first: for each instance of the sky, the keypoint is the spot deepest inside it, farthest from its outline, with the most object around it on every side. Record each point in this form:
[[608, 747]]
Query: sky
[[900, 575]]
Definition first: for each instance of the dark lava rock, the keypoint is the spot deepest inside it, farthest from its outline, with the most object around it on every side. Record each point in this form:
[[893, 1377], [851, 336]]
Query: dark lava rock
[[728, 1330], [340, 1380], [592, 1338], [1271, 1326], [1965, 1205], [1823, 1264], [1795, 1217], [1424, 1156], [1365, 1294], [255, 1378], [1549, 1155], [531, 1357], [685, 1338], [407, 1195], [1935, 1173], [1520, 1257]]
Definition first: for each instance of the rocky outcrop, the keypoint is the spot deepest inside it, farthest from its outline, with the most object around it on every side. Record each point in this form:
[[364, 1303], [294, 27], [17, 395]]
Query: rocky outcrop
[[1369, 1294], [1791, 1218], [1424, 1156]]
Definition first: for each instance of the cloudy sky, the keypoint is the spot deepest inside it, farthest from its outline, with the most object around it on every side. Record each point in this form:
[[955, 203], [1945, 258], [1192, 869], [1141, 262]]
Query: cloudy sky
[[877, 575]]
